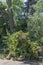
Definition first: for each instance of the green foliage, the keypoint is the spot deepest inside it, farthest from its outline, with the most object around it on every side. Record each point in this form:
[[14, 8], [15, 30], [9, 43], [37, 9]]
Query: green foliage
[[22, 43], [34, 46], [17, 7], [39, 6], [35, 26], [21, 25], [19, 18], [19, 44], [3, 25], [3, 18]]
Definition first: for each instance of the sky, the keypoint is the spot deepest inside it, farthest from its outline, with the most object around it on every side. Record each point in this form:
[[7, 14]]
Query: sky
[[3, 0], [25, 0]]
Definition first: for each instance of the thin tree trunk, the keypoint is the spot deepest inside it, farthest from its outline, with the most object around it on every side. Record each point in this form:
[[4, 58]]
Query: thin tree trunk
[[11, 21]]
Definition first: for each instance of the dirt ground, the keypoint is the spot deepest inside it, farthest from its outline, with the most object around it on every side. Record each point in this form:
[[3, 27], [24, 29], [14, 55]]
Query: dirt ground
[[10, 62]]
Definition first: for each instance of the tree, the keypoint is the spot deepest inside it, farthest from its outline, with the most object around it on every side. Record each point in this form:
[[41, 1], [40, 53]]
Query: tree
[[35, 22], [29, 9], [11, 21], [3, 24], [39, 6], [3, 18], [19, 15]]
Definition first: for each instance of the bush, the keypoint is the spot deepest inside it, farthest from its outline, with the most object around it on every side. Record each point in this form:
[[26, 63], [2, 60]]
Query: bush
[[19, 44], [35, 27], [34, 47]]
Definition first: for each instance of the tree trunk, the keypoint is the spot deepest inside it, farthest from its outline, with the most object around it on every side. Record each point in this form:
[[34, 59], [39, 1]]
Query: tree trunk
[[9, 10]]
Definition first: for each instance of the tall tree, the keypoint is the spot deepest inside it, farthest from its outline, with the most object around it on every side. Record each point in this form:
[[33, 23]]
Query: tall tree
[[29, 7], [11, 21], [35, 21]]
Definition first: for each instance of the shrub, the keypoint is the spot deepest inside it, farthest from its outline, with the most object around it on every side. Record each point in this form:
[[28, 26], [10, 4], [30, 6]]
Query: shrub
[[19, 44], [34, 47]]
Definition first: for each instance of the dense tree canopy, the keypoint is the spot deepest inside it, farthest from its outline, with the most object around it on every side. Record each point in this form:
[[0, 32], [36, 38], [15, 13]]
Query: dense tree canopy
[[21, 28]]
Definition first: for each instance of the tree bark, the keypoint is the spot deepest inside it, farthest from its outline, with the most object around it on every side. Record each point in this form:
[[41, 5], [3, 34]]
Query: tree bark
[[9, 10]]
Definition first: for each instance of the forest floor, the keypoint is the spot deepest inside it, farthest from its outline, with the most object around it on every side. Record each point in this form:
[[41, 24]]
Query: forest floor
[[10, 62]]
